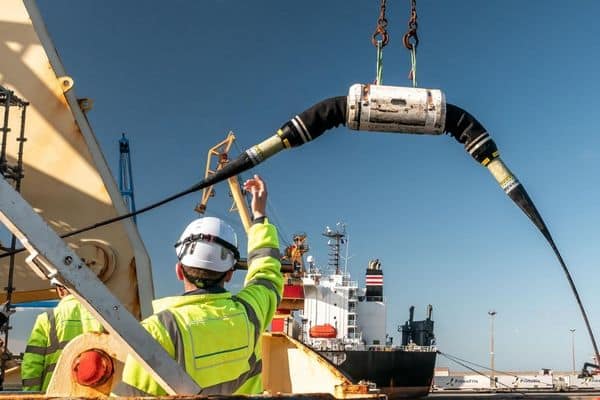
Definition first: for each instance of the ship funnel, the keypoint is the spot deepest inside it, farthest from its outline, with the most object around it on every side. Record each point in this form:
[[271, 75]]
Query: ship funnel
[[374, 281]]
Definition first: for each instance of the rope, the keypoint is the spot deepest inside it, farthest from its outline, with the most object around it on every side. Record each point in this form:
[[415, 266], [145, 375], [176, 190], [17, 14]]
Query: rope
[[455, 358], [379, 64], [463, 364], [412, 75], [281, 232]]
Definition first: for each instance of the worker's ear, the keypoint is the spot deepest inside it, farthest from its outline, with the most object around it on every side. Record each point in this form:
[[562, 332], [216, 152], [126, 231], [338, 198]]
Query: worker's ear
[[179, 271], [228, 275]]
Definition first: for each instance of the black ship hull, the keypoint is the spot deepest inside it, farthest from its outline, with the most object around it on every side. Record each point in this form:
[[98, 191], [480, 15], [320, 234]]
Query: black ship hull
[[397, 373]]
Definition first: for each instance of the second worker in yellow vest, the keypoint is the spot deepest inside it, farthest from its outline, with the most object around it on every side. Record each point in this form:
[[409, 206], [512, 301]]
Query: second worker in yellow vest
[[213, 334], [51, 332]]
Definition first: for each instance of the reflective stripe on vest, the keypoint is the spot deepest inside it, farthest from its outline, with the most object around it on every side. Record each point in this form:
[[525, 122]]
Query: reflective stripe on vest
[[54, 344], [268, 284], [252, 317], [167, 319], [123, 389], [263, 252], [39, 350], [32, 381]]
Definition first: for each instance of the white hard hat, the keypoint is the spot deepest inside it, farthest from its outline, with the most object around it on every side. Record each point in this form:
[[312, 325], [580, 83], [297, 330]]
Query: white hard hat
[[208, 243]]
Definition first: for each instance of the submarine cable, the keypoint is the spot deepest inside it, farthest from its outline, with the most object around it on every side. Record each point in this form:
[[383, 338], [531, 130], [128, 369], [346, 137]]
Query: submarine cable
[[425, 111], [301, 129], [477, 142]]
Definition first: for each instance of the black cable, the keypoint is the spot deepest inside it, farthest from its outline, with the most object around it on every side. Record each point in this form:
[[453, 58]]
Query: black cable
[[301, 129], [477, 142], [176, 196]]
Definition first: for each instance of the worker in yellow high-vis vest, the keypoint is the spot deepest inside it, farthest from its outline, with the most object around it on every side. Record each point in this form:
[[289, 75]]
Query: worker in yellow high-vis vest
[[51, 332], [216, 335]]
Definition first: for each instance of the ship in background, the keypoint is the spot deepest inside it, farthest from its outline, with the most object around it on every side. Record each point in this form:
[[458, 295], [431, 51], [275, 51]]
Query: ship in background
[[346, 323]]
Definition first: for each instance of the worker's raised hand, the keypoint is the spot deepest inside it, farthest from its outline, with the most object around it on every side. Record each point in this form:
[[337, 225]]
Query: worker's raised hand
[[257, 188]]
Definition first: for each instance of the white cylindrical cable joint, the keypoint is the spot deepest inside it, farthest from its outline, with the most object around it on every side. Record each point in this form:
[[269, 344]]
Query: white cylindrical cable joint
[[505, 178], [396, 109]]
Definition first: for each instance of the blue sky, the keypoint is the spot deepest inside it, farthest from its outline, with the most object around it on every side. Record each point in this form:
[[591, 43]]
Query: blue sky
[[177, 76]]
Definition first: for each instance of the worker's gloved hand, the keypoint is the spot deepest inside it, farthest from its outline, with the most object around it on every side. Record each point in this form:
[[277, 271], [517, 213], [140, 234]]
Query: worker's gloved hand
[[5, 312]]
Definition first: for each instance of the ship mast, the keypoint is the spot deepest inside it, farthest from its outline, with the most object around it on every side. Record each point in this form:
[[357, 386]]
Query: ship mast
[[336, 238]]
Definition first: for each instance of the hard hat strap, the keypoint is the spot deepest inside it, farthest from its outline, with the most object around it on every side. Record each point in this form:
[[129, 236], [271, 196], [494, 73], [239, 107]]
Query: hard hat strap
[[206, 238]]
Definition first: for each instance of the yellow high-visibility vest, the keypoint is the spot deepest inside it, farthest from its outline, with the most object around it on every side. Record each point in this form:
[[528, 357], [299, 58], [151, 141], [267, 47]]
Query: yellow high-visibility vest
[[214, 335], [50, 334]]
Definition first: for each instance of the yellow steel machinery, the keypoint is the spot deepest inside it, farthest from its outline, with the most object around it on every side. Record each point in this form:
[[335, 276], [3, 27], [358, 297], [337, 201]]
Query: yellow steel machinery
[[64, 174], [218, 156]]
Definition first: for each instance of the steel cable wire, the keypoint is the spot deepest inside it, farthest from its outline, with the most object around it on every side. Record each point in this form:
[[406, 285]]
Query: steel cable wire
[[463, 364]]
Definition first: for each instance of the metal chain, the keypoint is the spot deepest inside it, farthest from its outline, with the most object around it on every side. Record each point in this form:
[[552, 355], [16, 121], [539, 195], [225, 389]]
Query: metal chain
[[411, 41], [379, 39], [381, 29], [412, 28]]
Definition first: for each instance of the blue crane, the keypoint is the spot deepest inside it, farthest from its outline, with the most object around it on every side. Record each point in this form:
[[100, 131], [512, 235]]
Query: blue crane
[[125, 175]]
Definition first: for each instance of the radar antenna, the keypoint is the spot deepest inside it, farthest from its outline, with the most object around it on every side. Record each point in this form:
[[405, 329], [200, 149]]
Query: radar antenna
[[336, 238]]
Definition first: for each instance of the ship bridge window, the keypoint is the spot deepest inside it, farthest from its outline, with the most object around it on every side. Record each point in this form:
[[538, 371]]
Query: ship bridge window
[[351, 333]]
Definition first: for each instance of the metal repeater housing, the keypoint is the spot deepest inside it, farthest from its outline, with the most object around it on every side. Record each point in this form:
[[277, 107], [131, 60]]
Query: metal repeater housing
[[396, 109]]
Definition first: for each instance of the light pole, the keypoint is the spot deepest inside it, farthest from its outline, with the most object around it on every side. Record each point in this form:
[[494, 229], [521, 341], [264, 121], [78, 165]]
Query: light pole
[[573, 348], [492, 314]]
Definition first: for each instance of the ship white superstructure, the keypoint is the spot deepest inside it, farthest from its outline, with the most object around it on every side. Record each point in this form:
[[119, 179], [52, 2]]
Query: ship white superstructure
[[337, 300]]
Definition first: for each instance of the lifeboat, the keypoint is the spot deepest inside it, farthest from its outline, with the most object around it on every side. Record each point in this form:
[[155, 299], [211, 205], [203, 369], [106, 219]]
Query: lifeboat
[[325, 331]]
